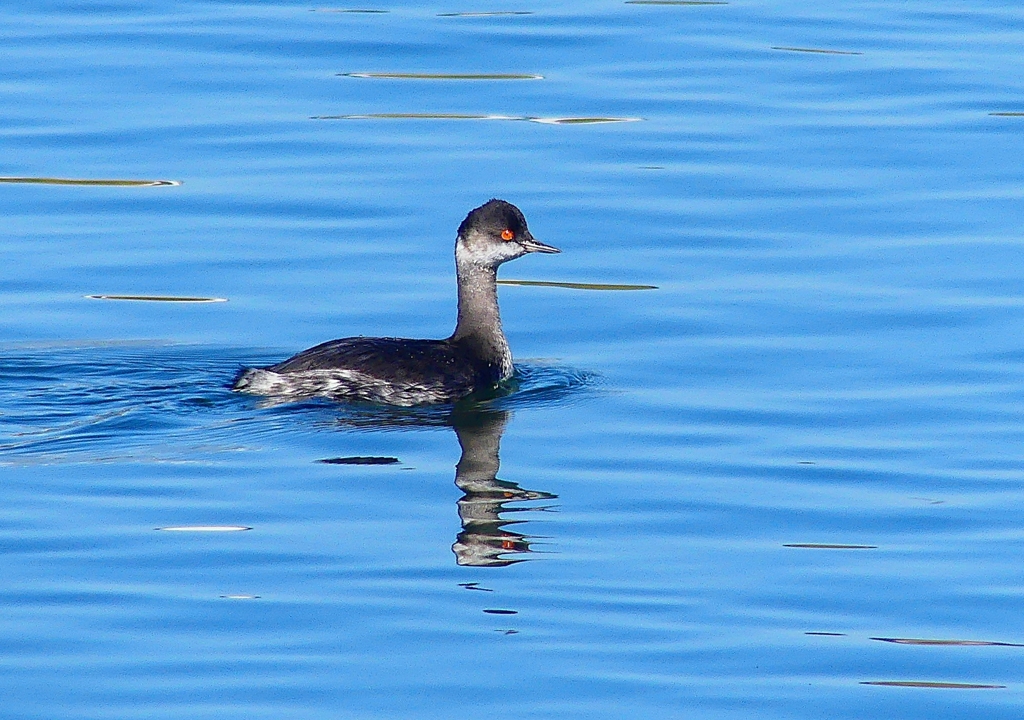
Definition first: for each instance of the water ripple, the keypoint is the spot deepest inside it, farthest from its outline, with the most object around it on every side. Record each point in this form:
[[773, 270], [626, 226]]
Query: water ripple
[[112, 402]]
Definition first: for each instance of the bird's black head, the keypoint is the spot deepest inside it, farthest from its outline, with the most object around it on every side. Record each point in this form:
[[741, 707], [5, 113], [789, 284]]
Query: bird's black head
[[496, 232]]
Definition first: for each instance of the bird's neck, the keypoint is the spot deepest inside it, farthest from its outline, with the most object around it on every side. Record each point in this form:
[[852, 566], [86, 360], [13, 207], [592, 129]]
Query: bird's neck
[[479, 325]]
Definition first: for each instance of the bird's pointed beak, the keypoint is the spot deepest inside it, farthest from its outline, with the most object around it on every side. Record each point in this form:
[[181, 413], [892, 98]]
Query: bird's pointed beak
[[531, 244]]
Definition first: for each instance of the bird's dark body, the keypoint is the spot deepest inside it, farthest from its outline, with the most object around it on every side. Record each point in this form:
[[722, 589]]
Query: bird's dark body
[[449, 366], [392, 371]]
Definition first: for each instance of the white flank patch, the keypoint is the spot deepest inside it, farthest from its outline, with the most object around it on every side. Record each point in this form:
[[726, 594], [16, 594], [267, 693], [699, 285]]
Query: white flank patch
[[337, 383]]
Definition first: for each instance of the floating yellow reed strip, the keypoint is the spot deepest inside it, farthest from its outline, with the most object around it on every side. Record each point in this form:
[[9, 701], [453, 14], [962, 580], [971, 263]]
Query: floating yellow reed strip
[[675, 2], [925, 684], [577, 286], [945, 643], [580, 120], [74, 181], [159, 298], [415, 116], [442, 76], [460, 116], [205, 528], [485, 14], [820, 51], [827, 546]]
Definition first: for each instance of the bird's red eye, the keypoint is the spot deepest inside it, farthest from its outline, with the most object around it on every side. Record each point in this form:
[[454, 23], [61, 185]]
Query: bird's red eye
[[507, 234]]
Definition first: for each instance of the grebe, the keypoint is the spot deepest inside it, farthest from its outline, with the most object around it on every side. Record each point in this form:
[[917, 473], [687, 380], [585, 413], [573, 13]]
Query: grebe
[[397, 371]]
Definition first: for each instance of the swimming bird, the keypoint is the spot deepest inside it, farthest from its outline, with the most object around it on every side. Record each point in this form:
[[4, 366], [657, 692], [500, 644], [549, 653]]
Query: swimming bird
[[405, 372]]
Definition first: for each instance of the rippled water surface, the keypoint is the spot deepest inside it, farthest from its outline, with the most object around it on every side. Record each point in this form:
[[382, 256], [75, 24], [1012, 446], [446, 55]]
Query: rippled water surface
[[766, 454]]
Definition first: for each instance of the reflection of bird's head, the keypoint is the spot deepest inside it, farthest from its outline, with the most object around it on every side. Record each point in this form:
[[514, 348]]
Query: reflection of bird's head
[[483, 550], [483, 541]]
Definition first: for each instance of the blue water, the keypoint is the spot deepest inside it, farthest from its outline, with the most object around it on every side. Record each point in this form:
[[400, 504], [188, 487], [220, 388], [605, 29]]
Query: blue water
[[721, 498]]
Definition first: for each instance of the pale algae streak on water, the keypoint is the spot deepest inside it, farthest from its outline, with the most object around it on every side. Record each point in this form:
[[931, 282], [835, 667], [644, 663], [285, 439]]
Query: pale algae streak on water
[[831, 358], [819, 51], [674, 2], [497, 13], [576, 285], [83, 181], [159, 298], [441, 76], [457, 116], [353, 10]]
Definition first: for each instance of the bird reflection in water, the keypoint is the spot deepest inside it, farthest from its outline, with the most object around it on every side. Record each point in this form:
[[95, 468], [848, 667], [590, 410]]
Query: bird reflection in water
[[485, 540]]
